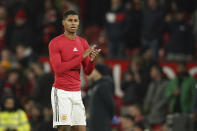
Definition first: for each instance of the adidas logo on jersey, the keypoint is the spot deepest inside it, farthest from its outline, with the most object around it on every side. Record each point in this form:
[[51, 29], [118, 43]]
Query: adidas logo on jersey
[[75, 49]]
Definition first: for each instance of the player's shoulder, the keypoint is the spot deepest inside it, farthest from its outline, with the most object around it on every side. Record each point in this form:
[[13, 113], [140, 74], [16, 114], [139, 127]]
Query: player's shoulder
[[55, 40], [83, 40]]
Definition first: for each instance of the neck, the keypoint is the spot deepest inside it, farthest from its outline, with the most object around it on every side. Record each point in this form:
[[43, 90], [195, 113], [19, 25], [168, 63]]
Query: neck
[[71, 36]]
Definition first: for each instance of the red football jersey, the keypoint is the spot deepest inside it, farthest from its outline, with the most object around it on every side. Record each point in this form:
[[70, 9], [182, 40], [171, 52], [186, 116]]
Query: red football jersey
[[66, 61]]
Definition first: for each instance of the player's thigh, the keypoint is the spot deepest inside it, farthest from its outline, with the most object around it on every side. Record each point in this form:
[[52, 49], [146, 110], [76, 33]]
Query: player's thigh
[[64, 128], [78, 128], [65, 107], [78, 111], [62, 108]]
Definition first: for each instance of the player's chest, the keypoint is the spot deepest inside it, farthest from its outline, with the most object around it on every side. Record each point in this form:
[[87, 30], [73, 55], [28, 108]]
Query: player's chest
[[70, 50]]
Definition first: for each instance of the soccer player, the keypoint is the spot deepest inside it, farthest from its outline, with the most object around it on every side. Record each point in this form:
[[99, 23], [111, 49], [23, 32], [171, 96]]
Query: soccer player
[[67, 53]]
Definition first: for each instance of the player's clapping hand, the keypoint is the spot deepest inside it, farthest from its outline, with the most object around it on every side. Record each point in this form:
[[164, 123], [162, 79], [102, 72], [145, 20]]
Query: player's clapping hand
[[94, 52], [88, 51]]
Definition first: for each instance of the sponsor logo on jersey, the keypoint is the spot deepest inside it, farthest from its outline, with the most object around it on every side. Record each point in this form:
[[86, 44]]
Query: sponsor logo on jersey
[[75, 49]]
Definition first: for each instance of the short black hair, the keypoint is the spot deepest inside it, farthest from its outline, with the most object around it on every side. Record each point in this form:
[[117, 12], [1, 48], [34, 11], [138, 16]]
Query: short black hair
[[69, 12], [14, 98], [102, 69]]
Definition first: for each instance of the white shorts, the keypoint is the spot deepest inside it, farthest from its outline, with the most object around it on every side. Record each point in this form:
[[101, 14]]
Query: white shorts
[[68, 108]]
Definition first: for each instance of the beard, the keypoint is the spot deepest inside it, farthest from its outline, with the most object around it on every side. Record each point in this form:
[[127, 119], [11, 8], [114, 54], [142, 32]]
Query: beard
[[71, 32]]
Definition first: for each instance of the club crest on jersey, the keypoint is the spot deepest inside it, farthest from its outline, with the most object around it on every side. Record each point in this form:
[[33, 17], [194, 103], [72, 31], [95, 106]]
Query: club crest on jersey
[[63, 117], [75, 49]]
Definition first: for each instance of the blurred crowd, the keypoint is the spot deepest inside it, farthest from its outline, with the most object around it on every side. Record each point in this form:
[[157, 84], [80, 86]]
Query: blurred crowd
[[143, 32], [135, 25]]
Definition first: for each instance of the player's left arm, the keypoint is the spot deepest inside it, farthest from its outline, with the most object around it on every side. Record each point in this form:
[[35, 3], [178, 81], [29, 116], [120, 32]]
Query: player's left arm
[[89, 62]]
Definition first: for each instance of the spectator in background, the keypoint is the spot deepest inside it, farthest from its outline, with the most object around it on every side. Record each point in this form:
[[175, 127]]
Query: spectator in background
[[152, 25], [131, 84], [30, 84], [28, 105], [5, 63], [3, 26], [12, 117], [136, 111], [12, 85], [36, 118], [35, 10], [115, 22], [48, 119], [12, 6], [127, 123], [6, 55], [133, 23], [100, 59], [148, 61], [134, 82], [155, 103], [35, 14], [180, 91], [50, 25], [43, 83], [101, 106], [20, 32], [3, 71], [180, 46], [24, 56], [188, 6]]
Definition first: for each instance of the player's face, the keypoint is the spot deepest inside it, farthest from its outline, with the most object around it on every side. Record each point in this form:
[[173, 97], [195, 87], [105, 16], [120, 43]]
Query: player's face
[[71, 23]]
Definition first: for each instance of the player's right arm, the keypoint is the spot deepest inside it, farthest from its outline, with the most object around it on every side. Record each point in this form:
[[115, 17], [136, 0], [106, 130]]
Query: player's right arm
[[55, 59]]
